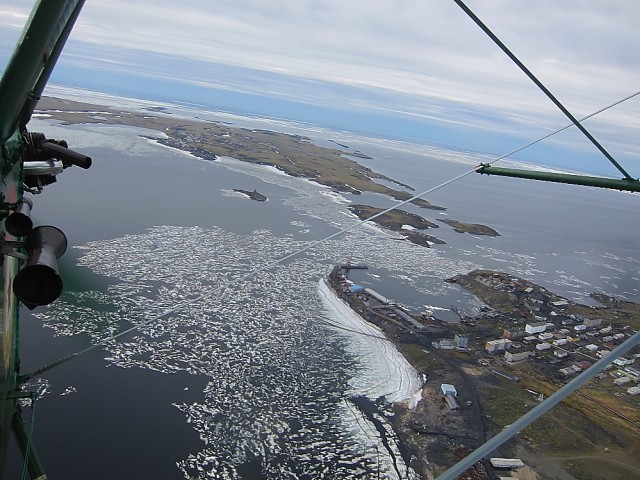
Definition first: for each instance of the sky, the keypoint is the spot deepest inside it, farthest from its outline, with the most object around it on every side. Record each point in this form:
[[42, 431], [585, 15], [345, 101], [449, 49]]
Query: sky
[[415, 70]]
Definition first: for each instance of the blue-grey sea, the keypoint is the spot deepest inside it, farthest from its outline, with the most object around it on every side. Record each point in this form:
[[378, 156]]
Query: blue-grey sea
[[250, 378]]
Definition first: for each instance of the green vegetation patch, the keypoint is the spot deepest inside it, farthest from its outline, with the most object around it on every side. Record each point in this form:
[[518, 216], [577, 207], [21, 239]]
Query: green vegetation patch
[[422, 360], [394, 219], [600, 469], [559, 431]]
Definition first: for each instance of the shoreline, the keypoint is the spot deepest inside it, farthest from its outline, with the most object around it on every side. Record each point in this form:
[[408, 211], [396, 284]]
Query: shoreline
[[292, 154], [397, 385], [493, 389], [257, 166], [378, 348], [295, 155]]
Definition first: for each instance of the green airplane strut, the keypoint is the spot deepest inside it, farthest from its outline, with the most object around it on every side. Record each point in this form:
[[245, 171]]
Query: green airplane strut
[[629, 185]]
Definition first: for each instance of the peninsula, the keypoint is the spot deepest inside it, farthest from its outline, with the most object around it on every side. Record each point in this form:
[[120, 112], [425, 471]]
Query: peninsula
[[520, 347], [293, 154]]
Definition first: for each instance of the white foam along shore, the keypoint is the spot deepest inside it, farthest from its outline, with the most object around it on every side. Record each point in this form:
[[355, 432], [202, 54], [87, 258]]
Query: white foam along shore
[[384, 370]]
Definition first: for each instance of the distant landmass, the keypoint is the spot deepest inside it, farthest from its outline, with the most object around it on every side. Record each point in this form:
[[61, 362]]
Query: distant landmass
[[293, 154]]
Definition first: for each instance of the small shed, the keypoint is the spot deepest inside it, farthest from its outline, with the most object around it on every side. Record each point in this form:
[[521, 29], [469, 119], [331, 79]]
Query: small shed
[[448, 389]]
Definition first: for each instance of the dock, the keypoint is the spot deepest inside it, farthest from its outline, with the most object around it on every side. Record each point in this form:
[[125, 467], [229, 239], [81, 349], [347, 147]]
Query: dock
[[348, 267]]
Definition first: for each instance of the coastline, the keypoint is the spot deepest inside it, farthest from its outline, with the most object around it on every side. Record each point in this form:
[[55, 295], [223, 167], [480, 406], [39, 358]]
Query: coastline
[[493, 390], [275, 169], [295, 155], [386, 387], [400, 382]]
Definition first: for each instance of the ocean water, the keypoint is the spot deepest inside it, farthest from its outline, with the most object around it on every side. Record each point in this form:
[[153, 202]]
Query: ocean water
[[251, 378]]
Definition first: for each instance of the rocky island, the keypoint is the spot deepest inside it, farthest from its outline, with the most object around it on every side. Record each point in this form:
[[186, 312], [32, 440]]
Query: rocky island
[[410, 225], [252, 194], [472, 228], [404, 223]]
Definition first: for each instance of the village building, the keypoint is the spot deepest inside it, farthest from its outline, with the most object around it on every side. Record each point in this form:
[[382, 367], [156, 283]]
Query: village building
[[380, 298], [507, 463], [513, 332], [516, 357], [632, 373], [633, 390], [538, 327], [448, 389], [622, 361], [569, 371], [444, 344], [621, 381], [592, 322], [450, 393], [500, 345], [461, 341]]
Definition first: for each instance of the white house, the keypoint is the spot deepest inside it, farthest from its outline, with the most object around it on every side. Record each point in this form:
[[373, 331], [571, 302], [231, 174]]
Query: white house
[[539, 327], [448, 389]]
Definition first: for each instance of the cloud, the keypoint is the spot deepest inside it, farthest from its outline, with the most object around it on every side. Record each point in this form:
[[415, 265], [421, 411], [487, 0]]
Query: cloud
[[421, 58], [414, 47]]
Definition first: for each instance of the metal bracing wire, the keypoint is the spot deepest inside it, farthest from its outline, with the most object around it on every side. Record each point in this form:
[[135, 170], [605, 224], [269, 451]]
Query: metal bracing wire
[[539, 84]]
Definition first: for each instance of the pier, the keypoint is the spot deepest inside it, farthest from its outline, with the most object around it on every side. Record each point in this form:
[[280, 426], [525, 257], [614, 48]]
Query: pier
[[349, 266]]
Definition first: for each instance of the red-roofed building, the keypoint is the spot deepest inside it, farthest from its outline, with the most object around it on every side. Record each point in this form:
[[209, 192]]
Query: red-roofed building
[[584, 364]]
